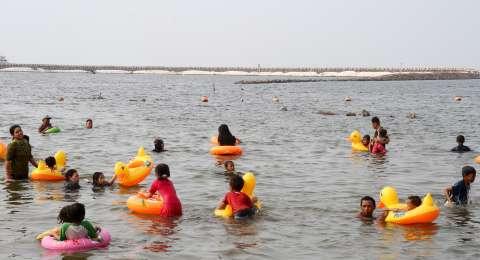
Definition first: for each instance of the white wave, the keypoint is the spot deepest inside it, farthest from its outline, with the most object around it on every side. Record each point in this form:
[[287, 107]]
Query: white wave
[[112, 71]]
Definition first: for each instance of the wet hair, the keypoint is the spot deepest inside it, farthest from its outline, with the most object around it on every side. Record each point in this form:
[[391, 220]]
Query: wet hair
[[162, 171], [368, 198], [375, 120], [96, 177], [467, 170], [382, 132], [366, 137], [460, 139], [50, 162], [417, 201], [236, 183], [73, 213], [69, 174], [224, 136], [226, 163], [12, 129], [89, 120], [159, 146]]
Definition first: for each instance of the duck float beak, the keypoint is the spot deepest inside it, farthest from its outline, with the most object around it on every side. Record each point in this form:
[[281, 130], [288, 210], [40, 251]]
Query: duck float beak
[[381, 205]]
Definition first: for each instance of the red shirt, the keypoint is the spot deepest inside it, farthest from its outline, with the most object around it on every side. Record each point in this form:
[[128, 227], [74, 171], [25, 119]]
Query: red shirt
[[171, 203], [238, 201], [378, 148]]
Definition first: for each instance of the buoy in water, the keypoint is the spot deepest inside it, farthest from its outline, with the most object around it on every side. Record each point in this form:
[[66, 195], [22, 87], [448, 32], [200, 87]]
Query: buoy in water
[[204, 98]]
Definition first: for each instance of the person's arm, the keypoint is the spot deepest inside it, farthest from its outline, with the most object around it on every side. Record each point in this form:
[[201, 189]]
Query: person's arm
[[112, 180], [8, 170], [33, 162], [223, 203], [237, 141], [382, 217], [9, 160], [448, 194]]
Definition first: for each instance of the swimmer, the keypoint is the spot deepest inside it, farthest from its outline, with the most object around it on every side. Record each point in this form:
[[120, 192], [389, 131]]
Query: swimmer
[[159, 145], [51, 163], [89, 123], [379, 144], [366, 140], [45, 124], [229, 168], [460, 148], [459, 193], [225, 138], [100, 182], [72, 180], [413, 202], [241, 204], [367, 207]]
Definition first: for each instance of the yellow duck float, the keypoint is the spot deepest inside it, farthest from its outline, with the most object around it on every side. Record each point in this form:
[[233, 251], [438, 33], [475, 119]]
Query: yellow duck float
[[43, 173], [249, 183], [427, 212], [135, 171], [356, 139]]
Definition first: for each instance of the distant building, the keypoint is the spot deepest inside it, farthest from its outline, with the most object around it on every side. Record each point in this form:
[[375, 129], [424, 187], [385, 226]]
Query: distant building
[[3, 59]]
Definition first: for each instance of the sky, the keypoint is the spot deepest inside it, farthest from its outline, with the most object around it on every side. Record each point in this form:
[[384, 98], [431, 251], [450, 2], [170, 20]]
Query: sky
[[272, 33]]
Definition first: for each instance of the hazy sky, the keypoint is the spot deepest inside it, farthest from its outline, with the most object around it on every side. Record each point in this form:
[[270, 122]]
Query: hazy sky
[[243, 33]]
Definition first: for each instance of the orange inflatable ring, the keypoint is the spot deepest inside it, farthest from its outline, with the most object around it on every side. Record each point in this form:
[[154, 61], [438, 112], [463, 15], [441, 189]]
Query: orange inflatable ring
[[214, 140], [135, 171], [151, 206], [3, 151], [226, 150]]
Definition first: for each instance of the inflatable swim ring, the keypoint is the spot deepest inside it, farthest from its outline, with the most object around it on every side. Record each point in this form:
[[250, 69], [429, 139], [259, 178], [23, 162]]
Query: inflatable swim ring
[[43, 173], [52, 130], [151, 206], [214, 140], [51, 243], [477, 159], [427, 212], [356, 139], [135, 171], [3, 151], [248, 187], [226, 150]]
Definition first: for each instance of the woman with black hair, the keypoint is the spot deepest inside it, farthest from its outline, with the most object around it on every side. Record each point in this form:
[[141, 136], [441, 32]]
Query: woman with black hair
[[225, 137], [19, 154]]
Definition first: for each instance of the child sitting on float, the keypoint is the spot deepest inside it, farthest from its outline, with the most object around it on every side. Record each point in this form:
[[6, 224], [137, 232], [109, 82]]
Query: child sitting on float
[[242, 205]]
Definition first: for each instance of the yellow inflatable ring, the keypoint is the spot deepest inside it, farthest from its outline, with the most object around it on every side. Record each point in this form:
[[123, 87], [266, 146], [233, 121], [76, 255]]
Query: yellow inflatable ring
[[226, 150], [248, 187], [135, 171], [356, 139], [427, 212], [151, 206], [43, 173]]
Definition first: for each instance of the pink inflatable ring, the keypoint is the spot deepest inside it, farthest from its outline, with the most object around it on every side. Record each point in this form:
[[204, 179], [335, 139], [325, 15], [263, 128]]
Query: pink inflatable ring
[[51, 243]]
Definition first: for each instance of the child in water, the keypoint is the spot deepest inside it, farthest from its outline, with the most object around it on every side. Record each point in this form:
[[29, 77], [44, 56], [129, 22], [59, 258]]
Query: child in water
[[460, 148], [74, 226], [51, 163], [241, 204], [366, 140], [100, 182], [379, 144], [458, 193], [229, 168], [163, 187], [71, 180], [413, 202], [159, 146]]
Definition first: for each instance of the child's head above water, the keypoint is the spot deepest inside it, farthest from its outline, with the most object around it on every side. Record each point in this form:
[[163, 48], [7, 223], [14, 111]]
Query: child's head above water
[[460, 139], [229, 166], [162, 171], [74, 213], [468, 174], [382, 133], [366, 140], [159, 145], [50, 162], [236, 183], [72, 175], [413, 202], [98, 179]]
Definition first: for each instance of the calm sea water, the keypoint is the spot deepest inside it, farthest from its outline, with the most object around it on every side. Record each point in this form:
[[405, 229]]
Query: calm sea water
[[307, 177]]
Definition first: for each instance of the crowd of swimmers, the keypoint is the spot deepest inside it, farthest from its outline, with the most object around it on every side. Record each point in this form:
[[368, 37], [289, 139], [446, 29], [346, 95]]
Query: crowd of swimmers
[[19, 155], [458, 194]]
